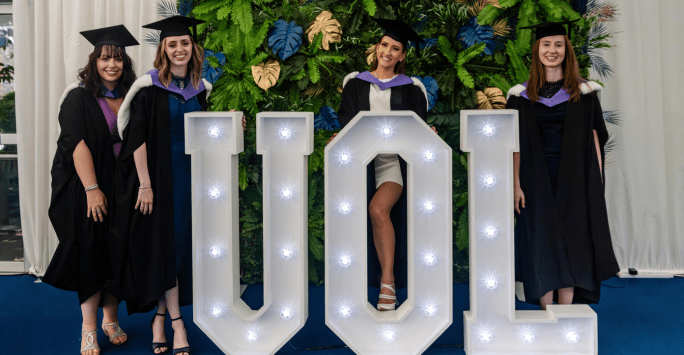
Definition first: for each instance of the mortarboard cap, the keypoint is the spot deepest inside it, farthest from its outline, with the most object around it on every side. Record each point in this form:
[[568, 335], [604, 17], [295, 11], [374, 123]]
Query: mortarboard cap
[[113, 35], [399, 31], [546, 29], [175, 26]]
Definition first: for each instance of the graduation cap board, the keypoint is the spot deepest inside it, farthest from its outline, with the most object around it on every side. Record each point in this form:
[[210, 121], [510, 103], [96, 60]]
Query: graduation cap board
[[114, 35], [547, 28], [176, 26], [399, 31]]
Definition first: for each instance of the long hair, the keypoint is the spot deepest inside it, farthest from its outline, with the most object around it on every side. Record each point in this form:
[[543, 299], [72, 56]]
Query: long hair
[[571, 77], [90, 78], [163, 64], [399, 68]]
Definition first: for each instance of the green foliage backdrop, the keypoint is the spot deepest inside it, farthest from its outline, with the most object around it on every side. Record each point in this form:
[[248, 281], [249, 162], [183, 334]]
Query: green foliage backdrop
[[470, 45]]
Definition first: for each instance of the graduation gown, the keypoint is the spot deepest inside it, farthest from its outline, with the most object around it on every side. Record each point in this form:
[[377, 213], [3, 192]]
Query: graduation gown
[[410, 97], [563, 241], [81, 262], [143, 246]]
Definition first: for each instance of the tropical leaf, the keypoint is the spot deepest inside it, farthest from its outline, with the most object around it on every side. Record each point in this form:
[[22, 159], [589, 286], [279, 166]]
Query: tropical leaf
[[471, 33], [432, 89], [370, 6], [465, 77], [470, 53], [208, 6], [266, 74], [152, 38], [491, 98], [326, 119], [462, 231], [612, 117], [212, 68], [445, 48], [507, 3], [241, 14], [500, 82], [285, 39], [488, 15], [314, 72], [166, 8], [185, 7], [520, 72], [324, 23]]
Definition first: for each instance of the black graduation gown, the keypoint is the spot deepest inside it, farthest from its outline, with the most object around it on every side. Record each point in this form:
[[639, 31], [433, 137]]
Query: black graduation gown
[[355, 98], [81, 262], [561, 240], [143, 246]]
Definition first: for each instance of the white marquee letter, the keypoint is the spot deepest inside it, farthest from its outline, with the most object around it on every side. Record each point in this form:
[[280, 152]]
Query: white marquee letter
[[493, 326], [428, 310]]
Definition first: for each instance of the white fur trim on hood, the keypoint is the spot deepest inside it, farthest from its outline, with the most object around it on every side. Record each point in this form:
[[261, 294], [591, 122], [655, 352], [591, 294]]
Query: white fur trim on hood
[[141, 82], [349, 76], [66, 92], [586, 88], [515, 91]]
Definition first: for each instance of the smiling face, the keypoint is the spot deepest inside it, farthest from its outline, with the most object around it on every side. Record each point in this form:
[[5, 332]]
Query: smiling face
[[389, 52], [109, 68], [552, 50], [179, 50]]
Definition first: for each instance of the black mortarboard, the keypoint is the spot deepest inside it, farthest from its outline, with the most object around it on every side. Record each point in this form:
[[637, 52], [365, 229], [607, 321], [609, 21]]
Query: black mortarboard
[[399, 31], [114, 35], [175, 26], [546, 29]]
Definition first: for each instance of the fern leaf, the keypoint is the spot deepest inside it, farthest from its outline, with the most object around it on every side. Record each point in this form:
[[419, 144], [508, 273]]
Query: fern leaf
[[314, 71], [327, 58], [488, 14], [300, 75], [445, 48], [519, 70], [316, 248], [500, 82], [208, 6], [224, 12], [462, 238], [470, 53], [552, 9], [166, 8], [242, 15], [370, 6], [507, 3], [524, 41], [465, 77]]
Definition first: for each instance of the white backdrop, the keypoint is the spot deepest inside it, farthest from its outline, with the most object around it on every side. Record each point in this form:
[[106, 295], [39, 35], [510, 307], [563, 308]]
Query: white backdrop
[[645, 178], [49, 51]]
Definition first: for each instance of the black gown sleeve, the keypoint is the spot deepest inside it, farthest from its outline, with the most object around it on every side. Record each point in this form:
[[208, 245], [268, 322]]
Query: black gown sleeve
[[72, 122], [136, 132], [597, 122], [418, 102], [348, 107]]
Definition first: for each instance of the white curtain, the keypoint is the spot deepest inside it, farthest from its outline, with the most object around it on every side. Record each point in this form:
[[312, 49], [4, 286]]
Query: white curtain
[[49, 51], [645, 178]]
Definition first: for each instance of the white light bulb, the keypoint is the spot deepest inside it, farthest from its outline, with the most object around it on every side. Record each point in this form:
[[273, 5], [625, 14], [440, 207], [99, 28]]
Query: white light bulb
[[489, 181], [251, 335], [286, 193], [345, 260], [286, 313], [490, 231], [389, 335], [485, 336], [285, 133], [216, 311], [344, 207], [430, 310], [491, 282], [345, 158], [286, 253], [428, 155], [430, 259], [214, 131], [345, 312], [214, 193], [528, 337], [572, 337], [386, 131], [488, 130], [2, 146], [429, 206], [215, 251]]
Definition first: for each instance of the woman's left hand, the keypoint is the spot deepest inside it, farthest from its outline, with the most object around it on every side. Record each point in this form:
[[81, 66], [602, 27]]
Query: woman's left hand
[[434, 129], [244, 121]]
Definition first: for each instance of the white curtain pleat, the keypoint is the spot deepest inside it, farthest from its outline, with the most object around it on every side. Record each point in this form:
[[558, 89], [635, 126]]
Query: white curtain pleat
[[645, 178], [49, 51]]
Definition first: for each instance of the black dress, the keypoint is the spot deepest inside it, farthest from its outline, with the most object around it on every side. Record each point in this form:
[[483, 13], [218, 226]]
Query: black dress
[[562, 237], [81, 262]]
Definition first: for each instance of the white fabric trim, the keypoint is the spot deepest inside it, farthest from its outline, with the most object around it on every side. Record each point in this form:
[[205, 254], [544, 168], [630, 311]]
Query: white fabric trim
[[515, 91], [349, 76], [590, 86], [124, 110], [66, 92]]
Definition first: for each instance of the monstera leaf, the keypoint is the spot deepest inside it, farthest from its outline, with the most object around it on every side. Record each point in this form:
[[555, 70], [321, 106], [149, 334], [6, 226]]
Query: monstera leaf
[[328, 26], [472, 33], [209, 72], [491, 98], [326, 119], [285, 39], [432, 89], [266, 73]]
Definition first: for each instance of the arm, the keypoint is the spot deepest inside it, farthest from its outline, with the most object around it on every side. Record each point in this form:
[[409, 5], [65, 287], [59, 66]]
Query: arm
[[518, 195], [598, 153], [83, 162], [145, 195]]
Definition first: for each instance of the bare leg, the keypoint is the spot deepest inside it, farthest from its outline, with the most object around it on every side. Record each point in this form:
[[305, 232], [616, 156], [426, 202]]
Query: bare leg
[[110, 310], [546, 300], [180, 337], [565, 295], [158, 335], [89, 311], [380, 206]]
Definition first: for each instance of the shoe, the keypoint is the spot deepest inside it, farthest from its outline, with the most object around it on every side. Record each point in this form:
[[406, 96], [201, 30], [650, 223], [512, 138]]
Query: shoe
[[117, 332], [156, 346], [90, 341], [387, 306], [181, 350]]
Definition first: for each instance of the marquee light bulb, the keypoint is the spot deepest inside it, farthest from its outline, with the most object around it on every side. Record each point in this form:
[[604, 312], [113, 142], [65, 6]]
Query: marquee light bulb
[[428, 156], [430, 259], [389, 335], [214, 193], [344, 207], [251, 336], [429, 206], [345, 157], [286, 313], [491, 282], [528, 337], [490, 232], [286, 253], [386, 130], [345, 312], [215, 251], [217, 311], [485, 336], [489, 180], [214, 131], [572, 337], [488, 130], [430, 309], [286, 193], [345, 260], [285, 133]]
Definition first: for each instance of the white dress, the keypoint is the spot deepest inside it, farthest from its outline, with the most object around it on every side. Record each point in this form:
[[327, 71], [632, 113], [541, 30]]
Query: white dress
[[386, 165]]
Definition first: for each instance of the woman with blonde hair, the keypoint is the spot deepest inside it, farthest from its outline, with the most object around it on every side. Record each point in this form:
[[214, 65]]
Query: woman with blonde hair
[[151, 221]]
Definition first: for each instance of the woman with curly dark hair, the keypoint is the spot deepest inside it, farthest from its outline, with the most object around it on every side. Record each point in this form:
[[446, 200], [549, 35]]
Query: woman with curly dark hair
[[82, 181]]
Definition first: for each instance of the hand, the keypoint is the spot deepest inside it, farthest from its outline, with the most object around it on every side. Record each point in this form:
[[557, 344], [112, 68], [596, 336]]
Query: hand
[[518, 198], [97, 204], [145, 199], [331, 138], [244, 121], [434, 129]]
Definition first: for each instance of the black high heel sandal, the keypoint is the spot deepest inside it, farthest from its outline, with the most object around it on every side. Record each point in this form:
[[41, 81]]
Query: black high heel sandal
[[185, 349], [156, 346]]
